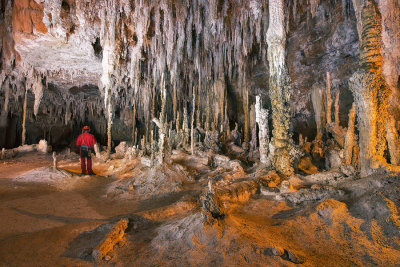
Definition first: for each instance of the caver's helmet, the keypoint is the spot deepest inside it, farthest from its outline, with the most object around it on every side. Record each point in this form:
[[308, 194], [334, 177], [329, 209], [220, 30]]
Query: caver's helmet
[[86, 128]]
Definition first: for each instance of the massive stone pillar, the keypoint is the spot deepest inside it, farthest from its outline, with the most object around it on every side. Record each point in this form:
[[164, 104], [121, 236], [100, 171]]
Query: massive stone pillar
[[279, 86], [371, 92], [109, 62]]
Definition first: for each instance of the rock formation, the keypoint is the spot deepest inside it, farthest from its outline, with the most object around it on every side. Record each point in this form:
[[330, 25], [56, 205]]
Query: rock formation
[[107, 63]]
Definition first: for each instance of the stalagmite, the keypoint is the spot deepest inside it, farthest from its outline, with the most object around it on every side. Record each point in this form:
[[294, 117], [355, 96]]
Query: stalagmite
[[333, 128], [350, 137], [328, 99], [24, 117], [134, 130], [393, 140], [192, 125], [54, 161], [246, 117], [263, 134], [175, 106], [279, 86], [338, 133], [318, 101], [226, 122], [109, 124], [178, 121], [208, 109], [198, 111], [185, 127], [337, 119], [162, 124]]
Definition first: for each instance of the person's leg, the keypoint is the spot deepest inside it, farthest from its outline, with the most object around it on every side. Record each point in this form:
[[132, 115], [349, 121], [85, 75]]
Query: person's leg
[[89, 165], [83, 161], [83, 165]]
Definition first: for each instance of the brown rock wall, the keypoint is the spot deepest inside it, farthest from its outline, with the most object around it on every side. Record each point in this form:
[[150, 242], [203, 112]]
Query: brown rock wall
[[27, 17]]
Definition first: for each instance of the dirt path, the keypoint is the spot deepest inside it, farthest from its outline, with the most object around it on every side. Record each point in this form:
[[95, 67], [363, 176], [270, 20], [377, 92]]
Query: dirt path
[[43, 226], [46, 225], [14, 167]]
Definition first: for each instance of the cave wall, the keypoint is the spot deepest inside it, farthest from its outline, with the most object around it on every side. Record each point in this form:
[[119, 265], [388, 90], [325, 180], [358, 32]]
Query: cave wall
[[219, 46]]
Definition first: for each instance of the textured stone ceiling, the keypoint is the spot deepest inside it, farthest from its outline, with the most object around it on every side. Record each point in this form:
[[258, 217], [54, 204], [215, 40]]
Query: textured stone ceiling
[[66, 64]]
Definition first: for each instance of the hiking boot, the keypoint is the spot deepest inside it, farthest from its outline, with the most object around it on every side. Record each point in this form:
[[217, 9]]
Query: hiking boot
[[91, 173]]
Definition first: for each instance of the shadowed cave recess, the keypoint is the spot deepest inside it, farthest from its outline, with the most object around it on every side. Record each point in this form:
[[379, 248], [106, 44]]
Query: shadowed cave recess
[[292, 98]]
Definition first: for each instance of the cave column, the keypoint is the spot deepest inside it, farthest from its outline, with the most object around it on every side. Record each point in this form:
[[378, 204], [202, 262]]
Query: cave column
[[350, 137], [110, 59], [371, 92], [246, 116], [109, 122], [192, 125], [279, 86], [24, 117], [163, 123], [3, 118], [134, 132]]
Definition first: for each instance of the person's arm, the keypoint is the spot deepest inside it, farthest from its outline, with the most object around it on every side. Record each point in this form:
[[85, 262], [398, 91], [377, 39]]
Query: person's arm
[[79, 141]]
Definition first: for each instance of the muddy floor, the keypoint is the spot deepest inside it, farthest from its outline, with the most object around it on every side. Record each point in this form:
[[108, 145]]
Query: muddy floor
[[49, 221]]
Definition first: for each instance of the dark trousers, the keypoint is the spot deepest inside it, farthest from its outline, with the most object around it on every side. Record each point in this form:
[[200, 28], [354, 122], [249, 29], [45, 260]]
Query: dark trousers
[[85, 155]]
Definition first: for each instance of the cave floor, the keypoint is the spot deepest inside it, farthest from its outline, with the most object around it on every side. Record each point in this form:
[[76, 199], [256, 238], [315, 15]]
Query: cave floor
[[46, 225]]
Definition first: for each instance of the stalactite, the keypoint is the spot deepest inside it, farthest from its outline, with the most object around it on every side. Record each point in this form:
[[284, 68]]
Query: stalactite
[[314, 6], [279, 86], [140, 40]]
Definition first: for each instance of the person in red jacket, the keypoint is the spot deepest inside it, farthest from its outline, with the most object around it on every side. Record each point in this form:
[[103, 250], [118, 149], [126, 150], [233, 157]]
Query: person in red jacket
[[86, 141]]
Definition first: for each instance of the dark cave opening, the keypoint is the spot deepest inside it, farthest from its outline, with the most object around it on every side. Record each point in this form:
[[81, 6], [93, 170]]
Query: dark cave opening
[[97, 48]]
